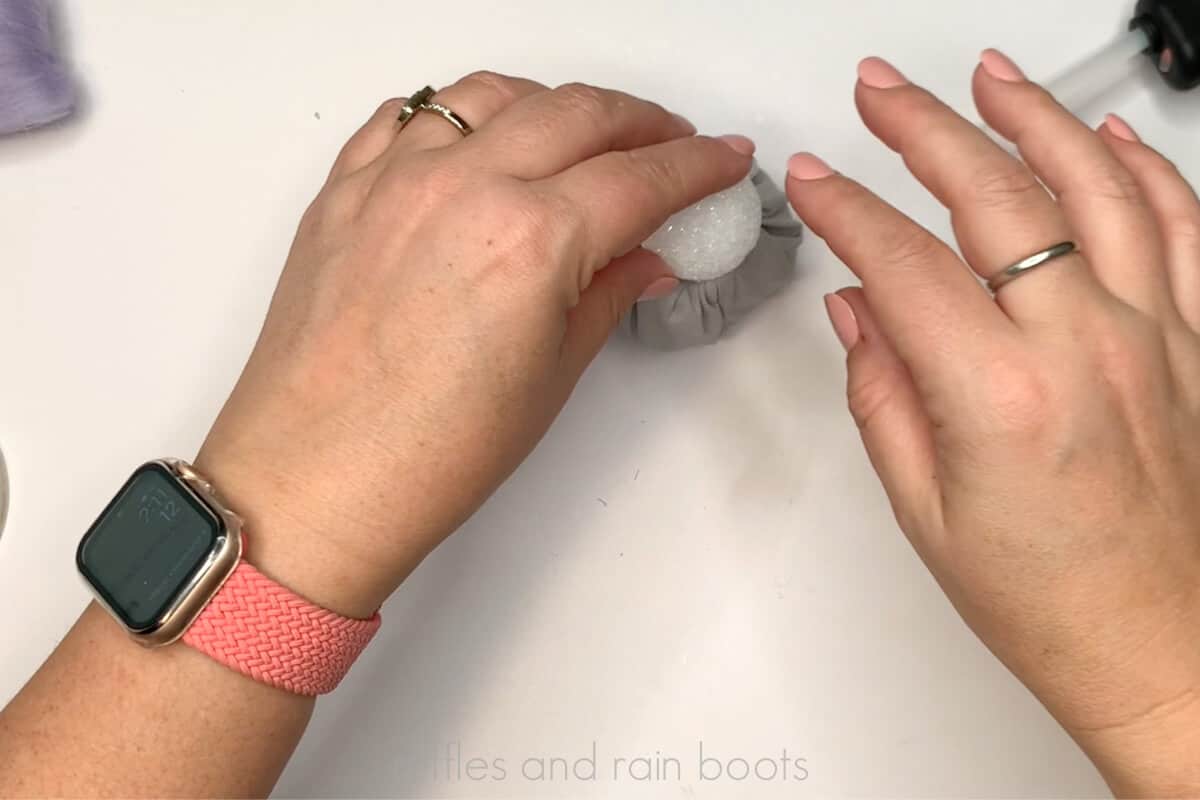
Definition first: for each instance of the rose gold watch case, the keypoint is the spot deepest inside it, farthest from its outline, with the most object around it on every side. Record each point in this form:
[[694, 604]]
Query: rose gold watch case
[[207, 580]]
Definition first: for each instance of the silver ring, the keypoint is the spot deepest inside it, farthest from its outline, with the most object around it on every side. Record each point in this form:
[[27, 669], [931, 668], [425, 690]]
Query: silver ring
[[1036, 260], [423, 101]]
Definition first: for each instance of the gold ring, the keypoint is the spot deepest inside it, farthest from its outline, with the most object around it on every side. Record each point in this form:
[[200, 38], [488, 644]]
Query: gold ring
[[423, 101]]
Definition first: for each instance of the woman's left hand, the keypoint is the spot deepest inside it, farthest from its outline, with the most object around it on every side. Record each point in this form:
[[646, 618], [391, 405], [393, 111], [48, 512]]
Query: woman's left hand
[[442, 297]]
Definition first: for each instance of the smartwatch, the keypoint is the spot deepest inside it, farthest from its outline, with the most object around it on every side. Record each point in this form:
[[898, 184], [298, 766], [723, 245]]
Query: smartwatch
[[165, 558]]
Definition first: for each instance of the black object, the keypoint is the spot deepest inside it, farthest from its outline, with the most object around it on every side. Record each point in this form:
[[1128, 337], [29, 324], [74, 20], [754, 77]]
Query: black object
[[1173, 28], [146, 546]]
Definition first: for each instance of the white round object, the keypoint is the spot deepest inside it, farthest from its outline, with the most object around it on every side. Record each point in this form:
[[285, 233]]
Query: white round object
[[713, 237]]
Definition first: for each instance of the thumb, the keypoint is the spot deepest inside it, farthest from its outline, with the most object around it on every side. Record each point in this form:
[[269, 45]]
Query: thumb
[[608, 298], [887, 409]]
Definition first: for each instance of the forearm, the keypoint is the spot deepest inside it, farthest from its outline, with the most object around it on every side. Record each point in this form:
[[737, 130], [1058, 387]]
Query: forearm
[[107, 717]]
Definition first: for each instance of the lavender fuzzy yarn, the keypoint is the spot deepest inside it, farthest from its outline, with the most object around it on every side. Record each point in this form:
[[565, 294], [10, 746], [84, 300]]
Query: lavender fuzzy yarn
[[35, 87]]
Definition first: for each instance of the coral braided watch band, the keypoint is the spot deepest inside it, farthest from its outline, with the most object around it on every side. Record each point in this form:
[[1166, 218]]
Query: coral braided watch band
[[261, 629]]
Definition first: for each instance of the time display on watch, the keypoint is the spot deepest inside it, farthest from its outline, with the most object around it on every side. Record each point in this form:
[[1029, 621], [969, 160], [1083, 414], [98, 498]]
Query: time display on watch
[[147, 545]]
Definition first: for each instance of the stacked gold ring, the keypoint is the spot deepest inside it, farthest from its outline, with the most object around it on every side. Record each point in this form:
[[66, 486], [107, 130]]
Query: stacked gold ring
[[423, 101]]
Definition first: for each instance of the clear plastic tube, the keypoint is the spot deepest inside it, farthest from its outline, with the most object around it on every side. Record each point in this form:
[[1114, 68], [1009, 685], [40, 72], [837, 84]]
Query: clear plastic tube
[[1085, 82]]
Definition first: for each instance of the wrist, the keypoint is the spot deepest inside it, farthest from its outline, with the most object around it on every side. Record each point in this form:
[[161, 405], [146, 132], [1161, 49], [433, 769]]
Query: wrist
[[283, 543], [1153, 755]]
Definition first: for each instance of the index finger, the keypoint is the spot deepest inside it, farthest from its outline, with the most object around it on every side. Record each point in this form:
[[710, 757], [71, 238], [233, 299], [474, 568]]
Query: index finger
[[547, 132], [928, 304], [621, 197]]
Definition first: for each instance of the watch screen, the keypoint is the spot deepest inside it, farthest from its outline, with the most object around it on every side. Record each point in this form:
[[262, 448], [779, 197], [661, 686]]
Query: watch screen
[[147, 545]]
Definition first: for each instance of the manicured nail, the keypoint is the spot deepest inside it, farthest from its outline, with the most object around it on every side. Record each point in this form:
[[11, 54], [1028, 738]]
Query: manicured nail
[[879, 74], [807, 167], [1001, 66], [684, 122], [660, 288], [739, 144], [1120, 128], [845, 324]]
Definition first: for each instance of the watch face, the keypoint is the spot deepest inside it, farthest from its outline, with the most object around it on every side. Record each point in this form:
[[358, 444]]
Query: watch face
[[147, 545]]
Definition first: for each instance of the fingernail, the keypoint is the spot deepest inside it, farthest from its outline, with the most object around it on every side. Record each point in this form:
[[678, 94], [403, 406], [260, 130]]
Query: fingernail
[[807, 167], [1120, 128], [879, 74], [660, 288], [739, 144], [1001, 66], [684, 123], [841, 316]]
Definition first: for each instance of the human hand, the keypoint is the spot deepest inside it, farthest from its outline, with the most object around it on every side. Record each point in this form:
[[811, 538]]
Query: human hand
[[700, 312], [441, 299], [1039, 449]]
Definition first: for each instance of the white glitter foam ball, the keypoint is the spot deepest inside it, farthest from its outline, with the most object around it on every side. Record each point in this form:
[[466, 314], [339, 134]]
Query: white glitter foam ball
[[713, 237]]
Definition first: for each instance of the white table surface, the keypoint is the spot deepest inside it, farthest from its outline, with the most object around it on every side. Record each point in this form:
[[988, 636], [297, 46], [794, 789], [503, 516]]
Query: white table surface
[[698, 552]]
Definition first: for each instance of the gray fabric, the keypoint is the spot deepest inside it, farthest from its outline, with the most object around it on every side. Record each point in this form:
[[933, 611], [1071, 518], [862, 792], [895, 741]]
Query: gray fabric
[[700, 313]]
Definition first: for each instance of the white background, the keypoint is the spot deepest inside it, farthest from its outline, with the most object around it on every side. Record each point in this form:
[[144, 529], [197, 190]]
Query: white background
[[698, 551]]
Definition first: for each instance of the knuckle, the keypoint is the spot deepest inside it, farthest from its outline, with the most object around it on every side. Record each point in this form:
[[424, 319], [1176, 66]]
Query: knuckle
[[493, 83], [1116, 184], [614, 309], [435, 181], [663, 175], [1125, 350], [1165, 167], [341, 202], [920, 107], [333, 207], [530, 138], [1005, 186], [389, 107], [867, 394], [582, 98], [356, 144], [1017, 396], [1158, 168], [418, 189], [350, 154], [1185, 228], [842, 201], [1179, 220], [522, 226], [905, 244], [831, 208]]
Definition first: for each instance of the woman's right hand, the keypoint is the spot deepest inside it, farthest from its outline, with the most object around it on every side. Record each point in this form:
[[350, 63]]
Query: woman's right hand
[[1039, 449]]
